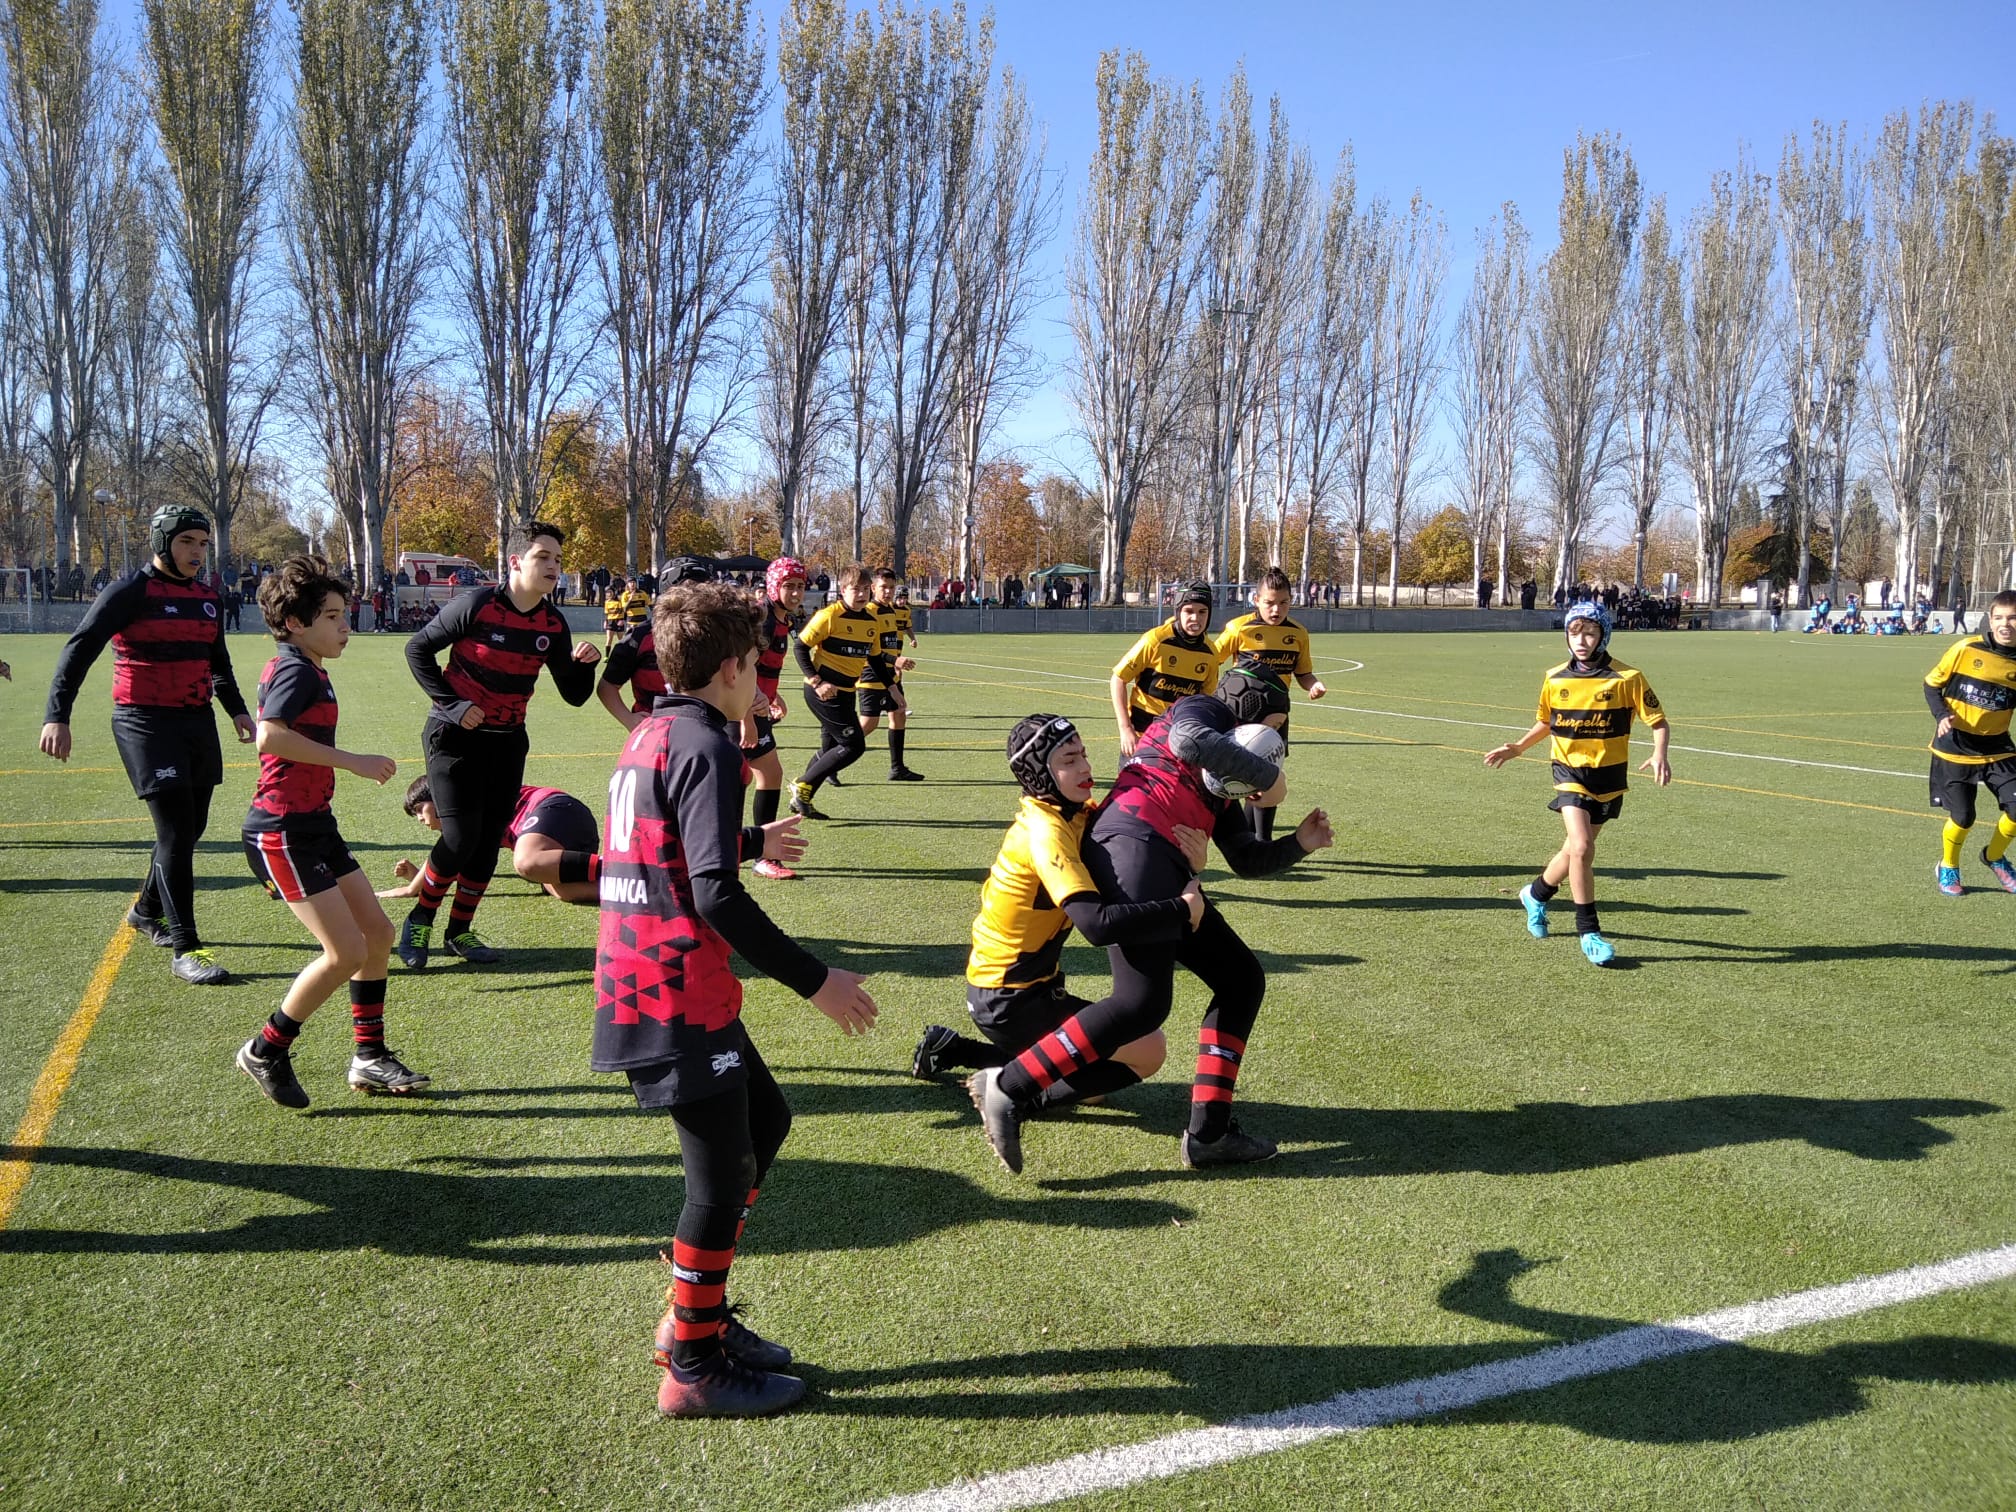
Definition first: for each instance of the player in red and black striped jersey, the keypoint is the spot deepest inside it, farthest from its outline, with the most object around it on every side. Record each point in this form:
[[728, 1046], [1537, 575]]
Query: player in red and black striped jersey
[[497, 640], [1135, 857], [632, 663], [783, 603], [552, 839], [668, 1008], [295, 850], [166, 631]]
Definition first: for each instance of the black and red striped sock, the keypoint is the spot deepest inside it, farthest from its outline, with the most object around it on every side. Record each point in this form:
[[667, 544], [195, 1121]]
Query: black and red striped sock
[[468, 898], [367, 1016], [1065, 1049], [748, 1207], [699, 1288], [1218, 1058], [433, 888], [1100, 1079], [277, 1036]]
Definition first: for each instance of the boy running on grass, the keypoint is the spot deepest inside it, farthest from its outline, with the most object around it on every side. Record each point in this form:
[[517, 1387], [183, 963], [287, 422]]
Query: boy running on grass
[[840, 649], [614, 625], [668, 1004], [293, 846], [1171, 661], [552, 839], [1037, 889], [634, 659], [1971, 693], [1586, 707], [783, 600], [497, 639], [877, 699], [1269, 638]]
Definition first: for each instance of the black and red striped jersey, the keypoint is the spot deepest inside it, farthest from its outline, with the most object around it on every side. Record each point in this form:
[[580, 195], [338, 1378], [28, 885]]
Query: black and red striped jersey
[[671, 847], [167, 638], [1160, 790], [634, 660], [495, 651], [777, 627], [529, 798], [294, 796]]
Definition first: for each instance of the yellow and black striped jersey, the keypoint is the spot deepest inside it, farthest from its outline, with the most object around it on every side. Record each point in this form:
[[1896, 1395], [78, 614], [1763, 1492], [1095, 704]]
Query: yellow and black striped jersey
[[1164, 666], [841, 641], [1018, 935], [1976, 681], [637, 607], [1589, 713], [1249, 641], [895, 629], [612, 609]]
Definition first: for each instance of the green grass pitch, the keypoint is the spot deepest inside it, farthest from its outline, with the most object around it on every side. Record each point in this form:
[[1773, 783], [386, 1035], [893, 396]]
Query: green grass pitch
[[1804, 1075]]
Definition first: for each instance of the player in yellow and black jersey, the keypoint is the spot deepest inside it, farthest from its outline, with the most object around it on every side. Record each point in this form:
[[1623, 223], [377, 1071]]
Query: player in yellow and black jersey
[[637, 601], [878, 699], [1972, 693], [1037, 889], [1170, 662], [839, 649], [1268, 639], [614, 625], [1586, 708]]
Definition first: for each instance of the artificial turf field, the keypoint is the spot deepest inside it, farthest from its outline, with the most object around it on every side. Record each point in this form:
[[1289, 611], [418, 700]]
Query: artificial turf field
[[1801, 1076]]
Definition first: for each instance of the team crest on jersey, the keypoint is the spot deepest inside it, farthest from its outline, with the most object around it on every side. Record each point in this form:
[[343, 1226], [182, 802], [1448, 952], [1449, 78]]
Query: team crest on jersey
[[727, 1060], [211, 610], [544, 641]]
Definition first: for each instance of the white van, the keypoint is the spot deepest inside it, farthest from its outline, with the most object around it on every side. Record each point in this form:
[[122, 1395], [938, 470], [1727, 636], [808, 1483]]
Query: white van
[[446, 576]]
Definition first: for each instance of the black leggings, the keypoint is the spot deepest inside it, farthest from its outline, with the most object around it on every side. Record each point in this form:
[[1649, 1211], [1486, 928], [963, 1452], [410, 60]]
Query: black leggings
[[181, 814], [726, 1144], [838, 722], [474, 777]]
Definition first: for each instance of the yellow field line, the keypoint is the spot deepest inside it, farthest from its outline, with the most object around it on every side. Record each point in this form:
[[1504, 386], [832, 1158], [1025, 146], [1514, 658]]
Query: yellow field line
[[33, 1129], [246, 766], [69, 823], [1873, 808]]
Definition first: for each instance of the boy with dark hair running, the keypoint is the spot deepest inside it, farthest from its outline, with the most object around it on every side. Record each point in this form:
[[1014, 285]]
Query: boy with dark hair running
[[668, 1005], [839, 649], [552, 839], [1136, 857], [1037, 889], [1586, 706], [783, 599], [1269, 638], [165, 627], [880, 698], [497, 639], [1172, 661], [1971, 693], [295, 850]]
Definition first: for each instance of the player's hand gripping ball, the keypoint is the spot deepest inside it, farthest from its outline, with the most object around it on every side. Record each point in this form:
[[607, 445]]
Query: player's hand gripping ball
[[1261, 740]]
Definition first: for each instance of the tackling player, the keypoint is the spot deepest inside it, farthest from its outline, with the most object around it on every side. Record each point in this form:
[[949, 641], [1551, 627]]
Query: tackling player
[[1586, 706], [1971, 693], [295, 850], [166, 630], [1269, 638]]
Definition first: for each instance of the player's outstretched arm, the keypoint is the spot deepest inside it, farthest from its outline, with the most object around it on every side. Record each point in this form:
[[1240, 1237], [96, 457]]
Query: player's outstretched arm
[[844, 1000], [1656, 763], [288, 744], [112, 611], [1497, 756]]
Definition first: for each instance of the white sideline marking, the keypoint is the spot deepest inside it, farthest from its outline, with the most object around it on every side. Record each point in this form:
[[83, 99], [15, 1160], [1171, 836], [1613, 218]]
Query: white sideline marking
[[1478, 724], [1430, 1396], [946, 661]]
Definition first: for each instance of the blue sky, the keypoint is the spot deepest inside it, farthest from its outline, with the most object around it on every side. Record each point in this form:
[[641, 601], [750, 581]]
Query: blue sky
[[1473, 104]]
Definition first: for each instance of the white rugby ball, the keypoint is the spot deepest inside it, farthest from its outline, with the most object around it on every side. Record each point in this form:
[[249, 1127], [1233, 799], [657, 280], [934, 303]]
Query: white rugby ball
[[1263, 741]]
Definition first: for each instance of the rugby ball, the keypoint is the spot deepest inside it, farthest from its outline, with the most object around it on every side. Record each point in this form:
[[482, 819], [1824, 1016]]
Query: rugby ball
[[1263, 741]]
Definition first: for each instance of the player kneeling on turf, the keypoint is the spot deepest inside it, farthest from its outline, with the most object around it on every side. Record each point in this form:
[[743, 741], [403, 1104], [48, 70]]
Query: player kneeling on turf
[[1037, 889], [1190, 770], [1586, 705], [667, 1004], [1971, 693], [293, 846], [552, 839]]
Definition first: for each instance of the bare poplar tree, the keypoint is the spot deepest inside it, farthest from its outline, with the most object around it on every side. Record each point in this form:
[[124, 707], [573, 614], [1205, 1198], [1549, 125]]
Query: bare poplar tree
[[1412, 332], [1919, 272], [521, 217], [1490, 382], [926, 144], [18, 385], [357, 245], [824, 69], [1646, 385], [1720, 339], [1133, 276], [1010, 217], [205, 77], [858, 356], [1365, 414], [1824, 330], [137, 362], [678, 93], [1991, 339], [1332, 346], [1576, 332], [67, 156]]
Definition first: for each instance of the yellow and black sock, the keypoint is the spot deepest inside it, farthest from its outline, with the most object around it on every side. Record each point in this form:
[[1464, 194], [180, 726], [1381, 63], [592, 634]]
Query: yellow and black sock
[[1998, 843]]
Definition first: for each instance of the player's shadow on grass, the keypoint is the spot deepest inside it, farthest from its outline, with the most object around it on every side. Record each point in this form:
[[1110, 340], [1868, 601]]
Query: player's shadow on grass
[[1525, 873], [1546, 1138], [524, 1211], [1702, 1391], [1443, 904], [1932, 952]]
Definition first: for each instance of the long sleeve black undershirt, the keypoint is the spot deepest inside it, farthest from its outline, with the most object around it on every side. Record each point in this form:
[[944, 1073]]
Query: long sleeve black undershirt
[[1122, 923], [739, 919]]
